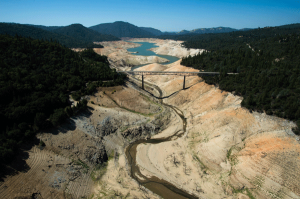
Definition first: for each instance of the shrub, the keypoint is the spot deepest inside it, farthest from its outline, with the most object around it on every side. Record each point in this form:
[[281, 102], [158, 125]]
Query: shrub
[[42, 143]]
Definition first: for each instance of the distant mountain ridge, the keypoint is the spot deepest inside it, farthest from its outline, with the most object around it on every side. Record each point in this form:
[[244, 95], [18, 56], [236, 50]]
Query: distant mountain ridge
[[121, 29], [125, 29], [206, 31], [213, 30], [72, 36], [78, 31], [38, 33], [48, 28], [105, 32], [152, 30], [114, 31]]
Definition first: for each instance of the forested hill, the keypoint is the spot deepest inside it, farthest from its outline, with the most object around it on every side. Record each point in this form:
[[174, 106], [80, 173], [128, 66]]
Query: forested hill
[[36, 78], [121, 29], [231, 40], [152, 30], [48, 28], [82, 33], [268, 63], [38, 33]]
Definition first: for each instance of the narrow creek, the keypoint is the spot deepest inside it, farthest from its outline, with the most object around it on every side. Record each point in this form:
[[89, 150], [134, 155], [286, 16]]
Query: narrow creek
[[156, 185]]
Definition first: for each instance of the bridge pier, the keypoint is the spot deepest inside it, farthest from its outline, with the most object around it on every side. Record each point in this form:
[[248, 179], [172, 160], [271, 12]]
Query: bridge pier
[[143, 82], [183, 82]]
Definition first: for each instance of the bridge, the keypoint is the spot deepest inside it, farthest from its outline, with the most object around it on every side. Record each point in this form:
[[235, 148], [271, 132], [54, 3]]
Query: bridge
[[184, 74]]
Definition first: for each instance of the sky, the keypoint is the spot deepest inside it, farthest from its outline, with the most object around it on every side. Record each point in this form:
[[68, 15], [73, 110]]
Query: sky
[[165, 15]]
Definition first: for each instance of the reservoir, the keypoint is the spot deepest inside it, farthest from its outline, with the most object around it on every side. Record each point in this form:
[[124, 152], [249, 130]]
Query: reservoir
[[144, 51]]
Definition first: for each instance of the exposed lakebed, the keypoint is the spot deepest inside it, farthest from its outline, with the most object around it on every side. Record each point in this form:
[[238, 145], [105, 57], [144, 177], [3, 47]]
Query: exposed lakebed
[[144, 50]]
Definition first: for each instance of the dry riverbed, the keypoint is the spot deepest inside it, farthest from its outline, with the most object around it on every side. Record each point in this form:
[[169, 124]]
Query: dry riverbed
[[227, 152]]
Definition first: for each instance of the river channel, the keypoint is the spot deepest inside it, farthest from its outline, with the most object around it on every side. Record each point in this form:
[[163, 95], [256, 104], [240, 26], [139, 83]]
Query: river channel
[[156, 185]]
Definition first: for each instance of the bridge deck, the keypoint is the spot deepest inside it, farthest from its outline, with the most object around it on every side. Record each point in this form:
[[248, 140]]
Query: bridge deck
[[173, 73]]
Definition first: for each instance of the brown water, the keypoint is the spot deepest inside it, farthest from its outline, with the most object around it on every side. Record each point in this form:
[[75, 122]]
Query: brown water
[[156, 185]]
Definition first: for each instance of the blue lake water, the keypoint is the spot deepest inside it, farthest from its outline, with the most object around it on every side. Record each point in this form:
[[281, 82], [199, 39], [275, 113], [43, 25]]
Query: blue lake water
[[144, 50]]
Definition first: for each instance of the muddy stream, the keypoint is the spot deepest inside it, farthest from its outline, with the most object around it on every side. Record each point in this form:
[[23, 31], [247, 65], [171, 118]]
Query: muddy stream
[[156, 185]]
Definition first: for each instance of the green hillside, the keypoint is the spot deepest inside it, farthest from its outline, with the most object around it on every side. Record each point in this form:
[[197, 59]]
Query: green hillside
[[154, 31], [82, 33], [36, 78], [121, 29], [48, 28], [38, 33]]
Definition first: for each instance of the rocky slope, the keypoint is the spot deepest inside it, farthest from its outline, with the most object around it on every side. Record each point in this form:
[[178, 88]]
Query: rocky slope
[[73, 160], [227, 152]]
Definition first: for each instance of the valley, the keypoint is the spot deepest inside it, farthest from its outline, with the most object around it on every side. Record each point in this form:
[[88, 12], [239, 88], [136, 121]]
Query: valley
[[196, 143]]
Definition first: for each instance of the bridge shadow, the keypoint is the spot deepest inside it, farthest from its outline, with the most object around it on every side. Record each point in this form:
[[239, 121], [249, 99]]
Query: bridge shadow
[[172, 94], [159, 90]]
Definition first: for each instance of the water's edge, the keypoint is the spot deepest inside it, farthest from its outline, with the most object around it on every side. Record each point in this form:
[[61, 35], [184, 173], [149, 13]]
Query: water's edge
[[144, 51]]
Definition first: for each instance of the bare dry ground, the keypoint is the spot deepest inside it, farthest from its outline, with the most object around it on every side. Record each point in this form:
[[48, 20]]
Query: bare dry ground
[[69, 166], [227, 152], [120, 58]]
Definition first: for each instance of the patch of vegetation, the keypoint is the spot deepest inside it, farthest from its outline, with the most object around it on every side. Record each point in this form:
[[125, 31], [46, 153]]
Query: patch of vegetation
[[42, 143], [229, 153], [243, 191], [111, 155], [36, 78], [249, 194], [80, 162], [258, 181], [203, 166], [153, 102], [232, 158], [124, 128], [99, 171], [83, 164]]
